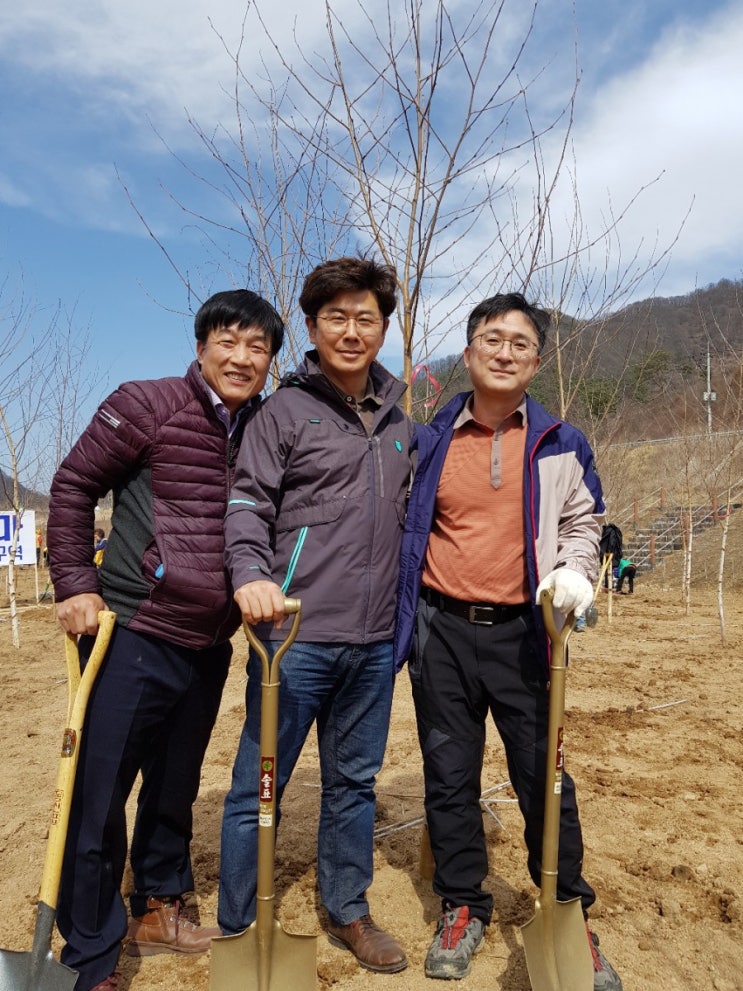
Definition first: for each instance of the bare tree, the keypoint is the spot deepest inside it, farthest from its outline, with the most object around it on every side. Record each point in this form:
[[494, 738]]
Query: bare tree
[[417, 113], [42, 384], [724, 478], [426, 118], [276, 212], [409, 132], [21, 408]]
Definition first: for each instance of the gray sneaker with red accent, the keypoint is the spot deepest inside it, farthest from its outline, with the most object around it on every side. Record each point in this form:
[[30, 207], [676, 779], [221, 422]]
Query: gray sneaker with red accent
[[458, 937], [605, 978]]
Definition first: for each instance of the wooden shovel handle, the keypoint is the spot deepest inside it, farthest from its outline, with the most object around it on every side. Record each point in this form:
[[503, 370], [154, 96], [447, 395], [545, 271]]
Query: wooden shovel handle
[[70, 753]]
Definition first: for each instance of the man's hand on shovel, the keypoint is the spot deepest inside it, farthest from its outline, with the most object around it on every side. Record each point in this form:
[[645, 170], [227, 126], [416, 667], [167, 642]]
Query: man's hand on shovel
[[571, 591], [261, 602], [79, 614]]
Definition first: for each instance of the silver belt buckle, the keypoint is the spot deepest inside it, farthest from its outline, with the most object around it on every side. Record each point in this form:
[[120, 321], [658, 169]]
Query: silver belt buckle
[[473, 615]]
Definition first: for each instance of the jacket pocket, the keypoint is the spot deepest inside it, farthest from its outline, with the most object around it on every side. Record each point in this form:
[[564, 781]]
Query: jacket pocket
[[422, 627], [293, 529], [153, 568], [328, 511]]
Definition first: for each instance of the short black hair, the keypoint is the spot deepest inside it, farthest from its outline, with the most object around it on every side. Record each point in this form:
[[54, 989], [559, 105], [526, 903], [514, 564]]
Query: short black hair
[[349, 275], [503, 303], [242, 307]]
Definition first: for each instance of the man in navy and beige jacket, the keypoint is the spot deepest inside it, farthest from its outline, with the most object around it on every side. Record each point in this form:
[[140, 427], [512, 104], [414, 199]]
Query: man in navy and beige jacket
[[505, 502]]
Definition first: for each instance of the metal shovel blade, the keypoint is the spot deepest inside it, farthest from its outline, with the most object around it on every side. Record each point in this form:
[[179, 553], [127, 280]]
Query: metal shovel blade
[[264, 957], [558, 956], [246, 962], [37, 970]]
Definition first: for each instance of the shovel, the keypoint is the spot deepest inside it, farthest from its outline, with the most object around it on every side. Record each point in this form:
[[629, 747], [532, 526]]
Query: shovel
[[558, 956], [37, 970], [265, 957]]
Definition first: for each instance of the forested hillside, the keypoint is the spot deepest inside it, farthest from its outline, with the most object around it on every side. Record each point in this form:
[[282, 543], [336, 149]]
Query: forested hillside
[[639, 373]]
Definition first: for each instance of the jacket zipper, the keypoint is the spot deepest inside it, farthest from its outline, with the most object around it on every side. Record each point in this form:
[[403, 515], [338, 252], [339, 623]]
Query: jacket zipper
[[372, 442]]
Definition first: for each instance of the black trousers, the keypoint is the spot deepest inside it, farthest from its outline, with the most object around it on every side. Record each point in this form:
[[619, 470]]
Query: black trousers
[[629, 573], [459, 673], [152, 709]]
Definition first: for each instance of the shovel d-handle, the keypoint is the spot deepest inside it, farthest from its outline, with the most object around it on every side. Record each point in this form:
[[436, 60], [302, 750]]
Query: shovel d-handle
[[80, 689], [267, 782], [558, 638], [271, 667]]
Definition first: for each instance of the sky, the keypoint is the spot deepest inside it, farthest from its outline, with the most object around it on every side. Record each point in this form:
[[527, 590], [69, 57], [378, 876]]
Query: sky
[[95, 110]]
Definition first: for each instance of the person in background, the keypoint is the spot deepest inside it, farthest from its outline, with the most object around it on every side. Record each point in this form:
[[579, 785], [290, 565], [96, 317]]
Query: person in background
[[626, 570], [167, 449], [99, 546], [610, 546], [316, 512], [505, 504]]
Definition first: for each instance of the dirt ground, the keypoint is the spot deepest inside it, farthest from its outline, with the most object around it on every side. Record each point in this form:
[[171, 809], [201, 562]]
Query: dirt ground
[[653, 739]]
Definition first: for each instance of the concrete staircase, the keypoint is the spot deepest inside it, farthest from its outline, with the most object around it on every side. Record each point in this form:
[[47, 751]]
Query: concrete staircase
[[649, 541]]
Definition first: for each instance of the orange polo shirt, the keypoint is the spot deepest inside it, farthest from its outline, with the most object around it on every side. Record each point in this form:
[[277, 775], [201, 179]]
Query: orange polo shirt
[[477, 547]]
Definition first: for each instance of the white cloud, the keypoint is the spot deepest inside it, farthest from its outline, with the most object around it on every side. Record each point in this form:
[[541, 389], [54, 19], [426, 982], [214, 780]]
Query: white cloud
[[677, 114], [138, 56], [11, 194], [95, 83], [154, 55], [93, 77]]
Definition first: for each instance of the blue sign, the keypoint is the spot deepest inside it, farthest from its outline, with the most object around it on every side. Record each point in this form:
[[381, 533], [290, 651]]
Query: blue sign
[[26, 547]]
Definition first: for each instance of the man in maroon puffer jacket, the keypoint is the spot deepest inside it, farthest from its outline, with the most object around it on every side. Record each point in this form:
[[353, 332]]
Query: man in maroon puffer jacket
[[166, 449]]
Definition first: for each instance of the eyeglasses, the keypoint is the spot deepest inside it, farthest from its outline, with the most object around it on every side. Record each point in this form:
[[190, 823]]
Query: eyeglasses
[[489, 345], [338, 322]]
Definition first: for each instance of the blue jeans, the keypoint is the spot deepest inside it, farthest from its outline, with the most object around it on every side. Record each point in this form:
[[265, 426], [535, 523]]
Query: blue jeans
[[347, 688]]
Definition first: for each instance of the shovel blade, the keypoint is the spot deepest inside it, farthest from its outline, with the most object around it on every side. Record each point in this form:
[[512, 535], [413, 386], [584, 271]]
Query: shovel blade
[[21, 971], [238, 963], [558, 956], [36, 970]]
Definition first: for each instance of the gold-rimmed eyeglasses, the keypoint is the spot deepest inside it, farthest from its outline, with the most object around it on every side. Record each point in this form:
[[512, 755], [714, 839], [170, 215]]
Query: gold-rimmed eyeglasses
[[337, 323]]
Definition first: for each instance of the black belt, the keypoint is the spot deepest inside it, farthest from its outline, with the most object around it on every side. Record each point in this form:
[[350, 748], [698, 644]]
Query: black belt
[[481, 613]]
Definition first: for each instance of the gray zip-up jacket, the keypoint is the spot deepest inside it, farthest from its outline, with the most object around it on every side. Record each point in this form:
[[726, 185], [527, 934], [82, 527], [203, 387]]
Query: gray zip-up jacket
[[318, 506]]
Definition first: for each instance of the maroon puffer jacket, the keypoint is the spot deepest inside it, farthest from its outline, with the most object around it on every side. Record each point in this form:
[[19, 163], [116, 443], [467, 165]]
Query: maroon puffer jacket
[[163, 451]]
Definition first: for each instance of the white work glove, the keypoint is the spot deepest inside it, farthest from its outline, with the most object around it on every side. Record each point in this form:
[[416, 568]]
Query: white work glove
[[572, 591]]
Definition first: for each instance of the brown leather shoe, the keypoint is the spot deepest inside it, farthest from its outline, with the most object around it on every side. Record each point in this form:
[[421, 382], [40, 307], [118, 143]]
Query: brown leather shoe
[[162, 929], [373, 947], [111, 983]]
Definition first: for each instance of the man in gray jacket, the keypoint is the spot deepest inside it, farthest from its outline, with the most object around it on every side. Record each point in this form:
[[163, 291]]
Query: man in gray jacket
[[316, 512]]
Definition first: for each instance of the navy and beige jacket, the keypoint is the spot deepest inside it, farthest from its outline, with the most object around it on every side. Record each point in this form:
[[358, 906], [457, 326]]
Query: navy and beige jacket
[[564, 507]]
